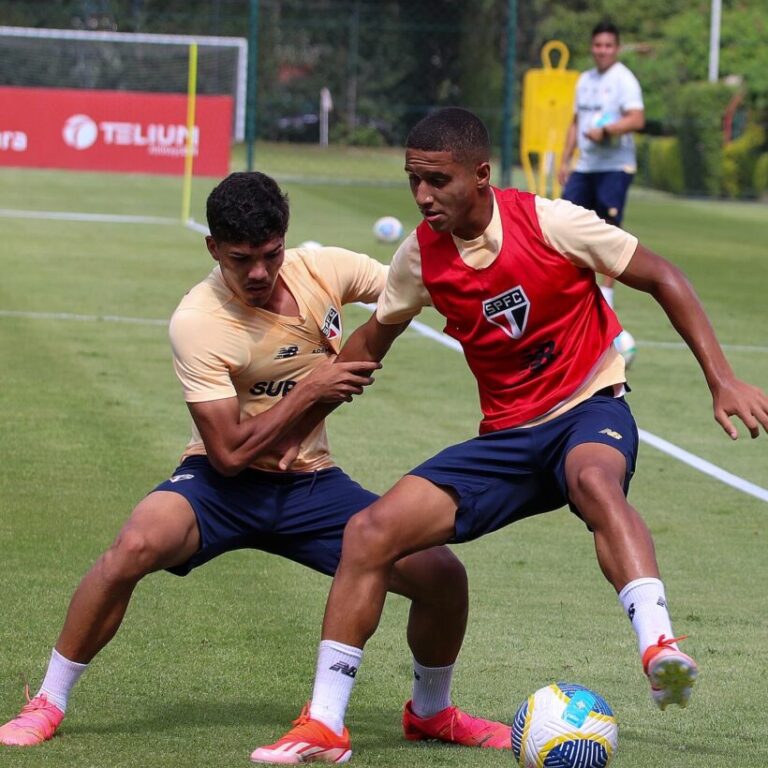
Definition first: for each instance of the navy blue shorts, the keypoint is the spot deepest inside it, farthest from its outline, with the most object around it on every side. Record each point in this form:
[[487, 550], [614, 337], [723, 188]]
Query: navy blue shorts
[[604, 192], [298, 515], [504, 476]]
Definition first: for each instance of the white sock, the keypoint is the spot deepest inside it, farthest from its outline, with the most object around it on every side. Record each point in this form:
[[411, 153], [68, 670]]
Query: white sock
[[60, 679], [645, 603], [337, 666], [431, 689], [607, 295]]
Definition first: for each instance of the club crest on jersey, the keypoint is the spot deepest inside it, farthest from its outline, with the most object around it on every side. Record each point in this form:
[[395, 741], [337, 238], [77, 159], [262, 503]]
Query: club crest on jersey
[[508, 310], [331, 324]]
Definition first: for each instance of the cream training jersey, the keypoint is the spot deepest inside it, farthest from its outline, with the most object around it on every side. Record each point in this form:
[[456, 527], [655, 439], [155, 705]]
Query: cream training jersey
[[223, 348], [602, 98], [576, 233]]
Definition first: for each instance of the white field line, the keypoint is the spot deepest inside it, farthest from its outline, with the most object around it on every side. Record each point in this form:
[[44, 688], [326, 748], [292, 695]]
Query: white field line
[[697, 463], [108, 218], [67, 316]]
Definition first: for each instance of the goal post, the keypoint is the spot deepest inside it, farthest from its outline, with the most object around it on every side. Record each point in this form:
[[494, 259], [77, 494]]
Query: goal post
[[141, 71], [189, 156]]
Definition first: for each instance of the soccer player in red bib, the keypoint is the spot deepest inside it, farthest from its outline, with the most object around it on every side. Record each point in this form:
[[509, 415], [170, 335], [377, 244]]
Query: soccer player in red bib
[[514, 276]]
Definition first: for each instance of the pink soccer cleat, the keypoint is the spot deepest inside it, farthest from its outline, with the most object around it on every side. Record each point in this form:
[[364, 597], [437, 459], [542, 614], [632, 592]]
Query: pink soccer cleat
[[456, 727], [309, 741], [36, 723], [671, 672]]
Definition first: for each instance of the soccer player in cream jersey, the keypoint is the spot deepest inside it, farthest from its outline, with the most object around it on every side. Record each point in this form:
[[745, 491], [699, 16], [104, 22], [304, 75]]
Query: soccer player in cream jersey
[[252, 347], [514, 276], [608, 109]]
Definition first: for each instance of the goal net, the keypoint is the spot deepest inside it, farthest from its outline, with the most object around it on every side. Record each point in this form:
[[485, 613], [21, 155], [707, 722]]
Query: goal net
[[120, 102]]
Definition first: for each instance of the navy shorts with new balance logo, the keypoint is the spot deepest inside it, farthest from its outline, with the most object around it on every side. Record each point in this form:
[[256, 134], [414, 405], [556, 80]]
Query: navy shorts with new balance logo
[[504, 476], [298, 515]]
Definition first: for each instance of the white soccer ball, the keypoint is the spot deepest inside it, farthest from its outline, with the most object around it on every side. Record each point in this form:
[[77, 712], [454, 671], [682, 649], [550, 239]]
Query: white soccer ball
[[310, 245], [564, 725], [388, 229], [625, 344]]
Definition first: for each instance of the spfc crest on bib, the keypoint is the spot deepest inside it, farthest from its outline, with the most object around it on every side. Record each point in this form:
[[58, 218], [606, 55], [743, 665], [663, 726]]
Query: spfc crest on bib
[[508, 310], [331, 324]]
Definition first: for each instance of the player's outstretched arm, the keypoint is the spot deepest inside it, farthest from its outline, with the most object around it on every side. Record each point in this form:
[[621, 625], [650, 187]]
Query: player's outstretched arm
[[369, 343], [649, 272], [233, 443]]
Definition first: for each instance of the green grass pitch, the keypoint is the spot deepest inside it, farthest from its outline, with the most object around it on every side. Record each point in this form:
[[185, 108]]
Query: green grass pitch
[[207, 667]]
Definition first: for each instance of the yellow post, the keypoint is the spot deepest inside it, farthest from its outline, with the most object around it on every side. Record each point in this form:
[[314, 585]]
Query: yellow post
[[548, 96], [189, 152]]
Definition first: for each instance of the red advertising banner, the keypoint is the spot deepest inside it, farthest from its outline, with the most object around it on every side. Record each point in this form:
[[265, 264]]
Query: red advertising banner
[[112, 131]]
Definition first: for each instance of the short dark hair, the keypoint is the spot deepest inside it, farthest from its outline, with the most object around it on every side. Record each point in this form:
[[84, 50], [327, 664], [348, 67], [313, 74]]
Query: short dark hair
[[452, 129], [606, 26], [247, 208]]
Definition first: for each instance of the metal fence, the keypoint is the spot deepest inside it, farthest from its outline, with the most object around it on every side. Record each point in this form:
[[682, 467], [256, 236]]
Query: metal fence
[[352, 75]]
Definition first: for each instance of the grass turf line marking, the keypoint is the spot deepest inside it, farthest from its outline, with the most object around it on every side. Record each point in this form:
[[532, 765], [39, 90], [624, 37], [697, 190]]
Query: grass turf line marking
[[82, 318], [703, 466], [104, 218]]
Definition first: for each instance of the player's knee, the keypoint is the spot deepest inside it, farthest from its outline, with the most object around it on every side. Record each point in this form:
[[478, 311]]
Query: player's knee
[[444, 571], [130, 557], [595, 487], [433, 577], [368, 540]]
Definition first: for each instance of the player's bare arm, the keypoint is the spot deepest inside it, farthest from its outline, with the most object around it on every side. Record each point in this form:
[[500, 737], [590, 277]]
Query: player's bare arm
[[233, 443], [652, 274], [369, 343], [570, 146]]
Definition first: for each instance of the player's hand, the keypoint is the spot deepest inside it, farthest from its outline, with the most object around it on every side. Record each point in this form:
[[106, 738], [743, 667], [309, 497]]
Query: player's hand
[[290, 450], [598, 135], [339, 382], [737, 398], [563, 174]]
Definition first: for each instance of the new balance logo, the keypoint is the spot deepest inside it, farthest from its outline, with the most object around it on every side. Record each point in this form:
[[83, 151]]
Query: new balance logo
[[610, 433], [541, 357], [284, 352], [344, 668]]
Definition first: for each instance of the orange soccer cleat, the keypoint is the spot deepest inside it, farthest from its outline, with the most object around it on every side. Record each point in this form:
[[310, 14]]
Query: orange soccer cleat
[[309, 741], [36, 723], [671, 672], [456, 727]]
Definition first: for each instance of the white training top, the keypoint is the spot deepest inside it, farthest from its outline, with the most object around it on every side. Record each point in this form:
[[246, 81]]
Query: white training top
[[601, 99]]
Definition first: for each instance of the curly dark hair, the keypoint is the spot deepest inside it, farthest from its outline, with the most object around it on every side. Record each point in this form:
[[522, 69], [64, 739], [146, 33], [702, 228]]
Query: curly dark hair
[[455, 130], [247, 208]]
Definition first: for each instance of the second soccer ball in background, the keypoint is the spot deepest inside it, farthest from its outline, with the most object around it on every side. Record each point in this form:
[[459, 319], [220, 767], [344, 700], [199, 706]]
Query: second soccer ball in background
[[388, 229], [625, 344]]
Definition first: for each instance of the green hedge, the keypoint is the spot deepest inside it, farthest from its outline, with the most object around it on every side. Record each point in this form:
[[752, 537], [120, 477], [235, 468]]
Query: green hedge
[[739, 160], [699, 111], [695, 161], [760, 178], [665, 164]]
